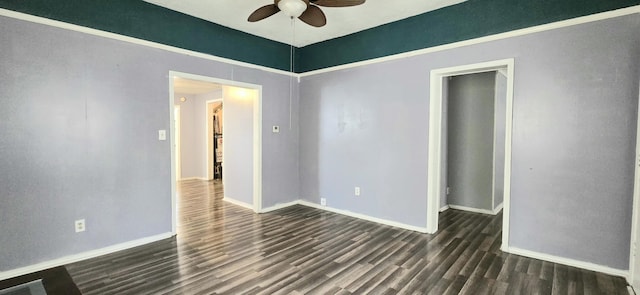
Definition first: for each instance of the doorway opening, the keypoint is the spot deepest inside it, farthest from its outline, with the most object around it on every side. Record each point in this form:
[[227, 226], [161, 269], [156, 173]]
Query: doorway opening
[[438, 137], [473, 110], [197, 98], [214, 139]]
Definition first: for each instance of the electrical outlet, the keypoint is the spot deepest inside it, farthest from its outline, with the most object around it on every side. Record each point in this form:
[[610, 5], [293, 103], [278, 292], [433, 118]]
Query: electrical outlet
[[323, 201], [162, 134], [448, 190], [357, 191], [80, 225]]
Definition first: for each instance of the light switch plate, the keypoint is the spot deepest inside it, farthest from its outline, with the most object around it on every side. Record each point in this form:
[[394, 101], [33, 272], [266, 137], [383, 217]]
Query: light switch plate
[[162, 134]]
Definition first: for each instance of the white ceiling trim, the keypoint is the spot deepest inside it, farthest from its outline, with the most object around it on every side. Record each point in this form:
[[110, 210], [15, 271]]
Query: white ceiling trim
[[521, 32], [506, 35], [341, 21], [114, 36]]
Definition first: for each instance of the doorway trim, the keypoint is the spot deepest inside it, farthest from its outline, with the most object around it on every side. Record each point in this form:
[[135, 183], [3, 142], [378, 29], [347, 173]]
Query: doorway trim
[[434, 188], [257, 139]]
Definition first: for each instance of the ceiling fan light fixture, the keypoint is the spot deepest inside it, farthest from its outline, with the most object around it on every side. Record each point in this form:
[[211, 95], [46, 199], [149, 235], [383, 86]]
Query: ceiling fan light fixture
[[292, 8]]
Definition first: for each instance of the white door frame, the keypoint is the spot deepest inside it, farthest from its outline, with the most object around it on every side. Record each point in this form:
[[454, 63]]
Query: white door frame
[[494, 207], [434, 188], [257, 139], [206, 138]]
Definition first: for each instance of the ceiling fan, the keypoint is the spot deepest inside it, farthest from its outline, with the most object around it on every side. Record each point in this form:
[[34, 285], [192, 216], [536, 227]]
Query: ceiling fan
[[306, 10]]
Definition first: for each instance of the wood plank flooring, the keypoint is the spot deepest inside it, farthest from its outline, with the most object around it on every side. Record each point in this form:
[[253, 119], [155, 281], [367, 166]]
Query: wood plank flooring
[[225, 249], [56, 281]]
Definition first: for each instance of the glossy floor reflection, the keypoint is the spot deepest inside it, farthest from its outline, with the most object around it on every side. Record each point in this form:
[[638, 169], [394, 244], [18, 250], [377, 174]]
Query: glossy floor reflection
[[226, 249]]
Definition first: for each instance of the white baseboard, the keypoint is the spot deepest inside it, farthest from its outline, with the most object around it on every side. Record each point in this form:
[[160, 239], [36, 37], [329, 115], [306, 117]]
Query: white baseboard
[[194, 178], [239, 203], [474, 210], [279, 206], [81, 256], [347, 213], [498, 209], [569, 262], [463, 208], [364, 217]]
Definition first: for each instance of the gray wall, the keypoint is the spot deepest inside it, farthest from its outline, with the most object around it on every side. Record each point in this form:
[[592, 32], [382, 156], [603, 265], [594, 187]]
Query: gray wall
[[79, 139], [574, 129], [470, 140], [238, 147], [81, 114], [363, 127], [500, 121], [188, 136], [193, 131], [444, 202]]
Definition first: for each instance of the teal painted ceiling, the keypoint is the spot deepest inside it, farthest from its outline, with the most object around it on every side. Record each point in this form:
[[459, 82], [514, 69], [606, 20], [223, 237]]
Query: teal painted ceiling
[[471, 19]]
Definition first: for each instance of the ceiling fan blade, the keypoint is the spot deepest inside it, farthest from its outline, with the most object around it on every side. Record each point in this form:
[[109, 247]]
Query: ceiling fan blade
[[313, 16], [263, 12], [337, 3]]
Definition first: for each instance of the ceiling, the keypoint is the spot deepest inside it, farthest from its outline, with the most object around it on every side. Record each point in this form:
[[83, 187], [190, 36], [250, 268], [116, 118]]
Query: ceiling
[[194, 87], [340, 21]]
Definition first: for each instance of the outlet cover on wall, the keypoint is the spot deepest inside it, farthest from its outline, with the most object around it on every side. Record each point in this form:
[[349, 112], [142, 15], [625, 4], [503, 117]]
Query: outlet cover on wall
[[356, 191], [323, 201], [80, 225]]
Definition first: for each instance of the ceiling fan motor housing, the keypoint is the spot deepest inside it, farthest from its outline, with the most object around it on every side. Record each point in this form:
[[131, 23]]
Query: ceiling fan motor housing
[[293, 8], [301, 9]]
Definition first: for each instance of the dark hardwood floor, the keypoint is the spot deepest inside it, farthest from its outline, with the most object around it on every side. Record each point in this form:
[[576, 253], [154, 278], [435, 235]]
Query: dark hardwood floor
[[225, 249], [56, 281]]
